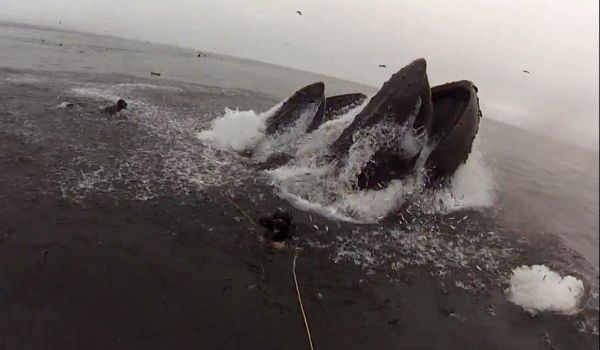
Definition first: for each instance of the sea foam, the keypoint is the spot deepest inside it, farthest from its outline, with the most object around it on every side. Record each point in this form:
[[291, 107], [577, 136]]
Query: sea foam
[[537, 288]]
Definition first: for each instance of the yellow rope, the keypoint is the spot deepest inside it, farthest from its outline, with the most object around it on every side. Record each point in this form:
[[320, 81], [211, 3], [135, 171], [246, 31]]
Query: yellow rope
[[242, 211], [310, 342]]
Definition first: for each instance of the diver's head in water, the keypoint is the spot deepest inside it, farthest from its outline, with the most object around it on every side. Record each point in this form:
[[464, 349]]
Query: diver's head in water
[[278, 225], [121, 104], [283, 215]]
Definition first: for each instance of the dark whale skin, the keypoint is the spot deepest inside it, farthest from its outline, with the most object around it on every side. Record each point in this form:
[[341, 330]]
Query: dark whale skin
[[337, 105], [292, 109], [395, 101], [456, 116]]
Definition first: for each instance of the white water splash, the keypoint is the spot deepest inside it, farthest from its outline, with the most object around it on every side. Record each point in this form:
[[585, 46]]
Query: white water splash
[[311, 183], [236, 131], [288, 141], [472, 186], [537, 288], [315, 145]]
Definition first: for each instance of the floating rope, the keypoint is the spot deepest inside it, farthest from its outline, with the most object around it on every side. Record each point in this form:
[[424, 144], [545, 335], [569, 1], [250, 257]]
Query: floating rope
[[240, 210], [310, 342]]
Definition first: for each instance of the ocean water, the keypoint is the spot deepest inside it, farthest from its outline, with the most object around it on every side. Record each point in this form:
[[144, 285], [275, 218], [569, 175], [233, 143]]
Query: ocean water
[[30, 48], [544, 186], [531, 187]]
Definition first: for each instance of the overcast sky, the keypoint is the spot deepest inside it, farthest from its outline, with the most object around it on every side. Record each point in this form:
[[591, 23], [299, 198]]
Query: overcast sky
[[487, 41]]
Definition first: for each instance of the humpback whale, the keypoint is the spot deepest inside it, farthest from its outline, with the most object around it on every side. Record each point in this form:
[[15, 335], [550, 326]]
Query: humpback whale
[[406, 128], [308, 102], [401, 107], [336, 106], [456, 116]]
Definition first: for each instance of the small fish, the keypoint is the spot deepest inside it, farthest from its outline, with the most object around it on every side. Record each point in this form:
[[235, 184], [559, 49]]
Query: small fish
[[316, 227], [393, 322], [299, 13], [457, 316], [382, 66]]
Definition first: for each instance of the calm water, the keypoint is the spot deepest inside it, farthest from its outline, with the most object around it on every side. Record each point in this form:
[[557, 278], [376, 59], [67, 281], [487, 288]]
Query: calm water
[[543, 186]]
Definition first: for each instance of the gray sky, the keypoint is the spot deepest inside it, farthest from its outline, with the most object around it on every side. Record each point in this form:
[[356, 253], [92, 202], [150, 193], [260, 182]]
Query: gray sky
[[489, 42]]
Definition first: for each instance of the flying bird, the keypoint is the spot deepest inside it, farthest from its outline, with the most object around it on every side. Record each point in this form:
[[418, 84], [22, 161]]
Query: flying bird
[[526, 71], [299, 12], [382, 66]]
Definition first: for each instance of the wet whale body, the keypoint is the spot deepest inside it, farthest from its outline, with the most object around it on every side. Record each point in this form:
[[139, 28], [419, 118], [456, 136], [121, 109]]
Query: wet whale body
[[311, 99], [405, 128], [308, 101], [394, 125], [336, 106], [456, 116]]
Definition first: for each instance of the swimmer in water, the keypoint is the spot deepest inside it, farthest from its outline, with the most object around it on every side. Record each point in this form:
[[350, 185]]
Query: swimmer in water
[[117, 110], [278, 226]]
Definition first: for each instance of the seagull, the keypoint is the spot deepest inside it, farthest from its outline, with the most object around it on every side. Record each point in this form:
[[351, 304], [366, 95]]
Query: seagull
[[382, 66], [299, 12], [526, 71]]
